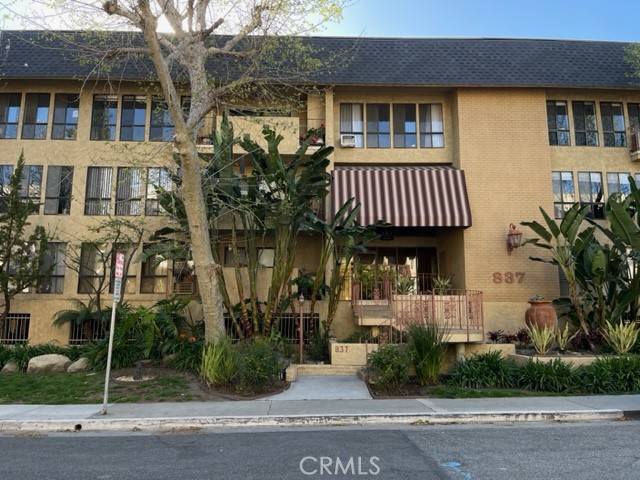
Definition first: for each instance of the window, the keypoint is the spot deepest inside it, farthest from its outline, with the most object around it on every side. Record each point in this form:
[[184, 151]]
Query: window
[[53, 262], [98, 196], [378, 126], [15, 329], [634, 115], [558, 123], [618, 182], [103, 118], [133, 118], [87, 331], [157, 178], [431, 125], [31, 185], [154, 275], [613, 129], [57, 199], [404, 126], [161, 128], [91, 274], [9, 114], [36, 116], [129, 280], [351, 122], [591, 192], [6, 172], [584, 118], [65, 116], [129, 191], [564, 195]]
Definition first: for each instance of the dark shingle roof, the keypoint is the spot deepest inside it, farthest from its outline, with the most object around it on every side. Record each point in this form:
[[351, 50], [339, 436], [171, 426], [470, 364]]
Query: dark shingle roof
[[370, 61]]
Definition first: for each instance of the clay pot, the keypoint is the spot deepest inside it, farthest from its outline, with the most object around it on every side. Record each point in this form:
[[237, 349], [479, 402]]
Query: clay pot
[[541, 313]]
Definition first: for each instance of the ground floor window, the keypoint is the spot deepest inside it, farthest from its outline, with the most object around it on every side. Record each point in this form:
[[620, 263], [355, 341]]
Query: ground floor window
[[87, 331], [15, 329]]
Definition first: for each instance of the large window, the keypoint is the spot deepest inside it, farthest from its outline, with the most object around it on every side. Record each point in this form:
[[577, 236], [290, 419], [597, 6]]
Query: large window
[[65, 116], [431, 125], [91, 272], [618, 182], [36, 116], [157, 179], [154, 275], [351, 122], [564, 194], [57, 199], [378, 126], [15, 329], [53, 262], [6, 171], [161, 128], [31, 185], [613, 129], [103, 118], [404, 126], [558, 122], [9, 114], [634, 115], [129, 191], [133, 118], [591, 192], [584, 118], [98, 194]]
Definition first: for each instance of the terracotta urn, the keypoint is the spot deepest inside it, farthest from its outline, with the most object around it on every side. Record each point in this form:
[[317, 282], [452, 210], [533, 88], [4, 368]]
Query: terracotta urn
[[541, 313]]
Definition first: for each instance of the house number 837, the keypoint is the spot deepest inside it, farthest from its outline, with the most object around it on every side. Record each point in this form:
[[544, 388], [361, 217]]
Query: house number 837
[[508, 277]]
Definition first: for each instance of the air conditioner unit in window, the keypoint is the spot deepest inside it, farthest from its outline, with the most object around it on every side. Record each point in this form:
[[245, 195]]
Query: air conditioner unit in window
[[347, 140]]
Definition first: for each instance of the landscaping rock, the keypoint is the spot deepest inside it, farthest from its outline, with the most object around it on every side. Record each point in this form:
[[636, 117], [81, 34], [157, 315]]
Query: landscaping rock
[[48, 363], [10, 367], [79, 365]]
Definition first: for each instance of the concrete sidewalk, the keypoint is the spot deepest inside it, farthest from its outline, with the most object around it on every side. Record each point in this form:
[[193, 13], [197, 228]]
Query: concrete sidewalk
[[314, 401]]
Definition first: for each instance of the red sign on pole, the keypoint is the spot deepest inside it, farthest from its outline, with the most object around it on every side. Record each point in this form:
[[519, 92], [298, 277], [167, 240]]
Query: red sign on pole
[[119, 264]]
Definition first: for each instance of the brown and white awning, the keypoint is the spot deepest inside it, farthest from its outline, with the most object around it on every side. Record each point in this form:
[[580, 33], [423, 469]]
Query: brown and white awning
[[404, 196]]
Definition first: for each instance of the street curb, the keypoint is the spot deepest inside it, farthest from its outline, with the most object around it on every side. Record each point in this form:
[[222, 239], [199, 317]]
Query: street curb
[[180, 423]]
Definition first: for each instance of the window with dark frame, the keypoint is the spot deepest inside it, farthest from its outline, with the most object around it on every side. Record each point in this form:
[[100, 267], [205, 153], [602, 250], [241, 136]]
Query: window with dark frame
[[157, 178], [57, 200], [6, 172], [98, 193], [53, 263], [161, 128], [351, 122], [154, 274], [15, 329], [614, 131], [31, 186], [431, 125], [585, 123], [91, 271], [405, 129], [36, 116], [378, 126], [65, 116], [129, 191], [103, 117], [592, 193], [558, 123], [564, 194], [618, 182], [9, 114], [133, 118]]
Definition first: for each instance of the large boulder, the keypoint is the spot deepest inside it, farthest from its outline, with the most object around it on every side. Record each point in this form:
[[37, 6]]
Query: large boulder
[[48, 363], [10, 367], [79, 365]]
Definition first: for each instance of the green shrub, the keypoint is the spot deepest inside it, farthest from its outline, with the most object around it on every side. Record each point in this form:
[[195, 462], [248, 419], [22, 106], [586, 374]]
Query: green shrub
[[486, 370], [610, 375], [542, 338], [5, 355], [259, 366], [554, 376], [389, 368], [218, 365], [427, 348], [357, 336], [622, 336]]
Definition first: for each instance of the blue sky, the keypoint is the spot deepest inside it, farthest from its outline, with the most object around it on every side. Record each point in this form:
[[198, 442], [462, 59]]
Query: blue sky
[[616, 20]]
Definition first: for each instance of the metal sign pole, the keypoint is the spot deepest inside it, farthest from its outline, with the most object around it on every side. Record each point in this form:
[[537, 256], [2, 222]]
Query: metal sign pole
[[116, 298]]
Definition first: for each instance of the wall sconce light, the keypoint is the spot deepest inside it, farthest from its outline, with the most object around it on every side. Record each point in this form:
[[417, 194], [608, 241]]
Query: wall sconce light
[[514, 238]]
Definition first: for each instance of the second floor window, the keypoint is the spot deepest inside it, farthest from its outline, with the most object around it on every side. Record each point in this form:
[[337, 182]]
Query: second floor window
[[161, 128], [65, 116], [133, 118], [9, 114], [31, 185], [103, 117], [53, 262], [404, 126], [431, 125], [98, 193], [352, 122], [57, 200], [91, 274], [378, 126], [36, 116], [613, 129], [154, 277], [558, 123], [6, 171], [591, 192], [157, 179], [584, 118], [564, 194], [618, 182], [128, 191]]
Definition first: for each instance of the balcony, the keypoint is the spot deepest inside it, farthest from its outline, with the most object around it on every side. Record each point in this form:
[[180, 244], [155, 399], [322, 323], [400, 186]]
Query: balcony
[[634, 144]]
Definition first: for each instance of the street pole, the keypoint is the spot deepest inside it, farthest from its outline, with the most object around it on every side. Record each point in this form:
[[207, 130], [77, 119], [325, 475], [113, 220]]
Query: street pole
[[116, 298], [301, 300]]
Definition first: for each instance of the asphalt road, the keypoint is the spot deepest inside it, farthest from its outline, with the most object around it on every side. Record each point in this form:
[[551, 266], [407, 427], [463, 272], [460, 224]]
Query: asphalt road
[[586, 451]]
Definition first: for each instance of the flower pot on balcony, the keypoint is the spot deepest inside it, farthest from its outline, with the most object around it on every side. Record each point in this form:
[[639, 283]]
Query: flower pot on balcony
[[541, 313]]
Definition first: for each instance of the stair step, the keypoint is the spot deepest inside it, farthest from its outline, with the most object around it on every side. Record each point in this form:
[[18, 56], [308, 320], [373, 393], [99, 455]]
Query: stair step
[[308, 369]]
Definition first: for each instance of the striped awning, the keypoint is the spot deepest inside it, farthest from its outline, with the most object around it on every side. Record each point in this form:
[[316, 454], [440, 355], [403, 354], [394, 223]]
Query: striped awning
[[404, 196]]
